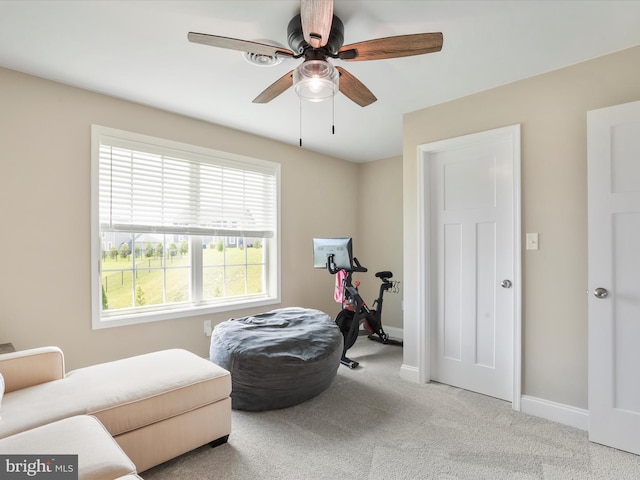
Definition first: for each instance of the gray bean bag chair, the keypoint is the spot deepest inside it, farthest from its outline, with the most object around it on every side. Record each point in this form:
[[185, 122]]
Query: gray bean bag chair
[[279, 358]]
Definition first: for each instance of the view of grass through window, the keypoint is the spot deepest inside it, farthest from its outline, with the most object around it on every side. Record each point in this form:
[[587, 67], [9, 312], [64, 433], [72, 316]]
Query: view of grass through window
[[141, 270]]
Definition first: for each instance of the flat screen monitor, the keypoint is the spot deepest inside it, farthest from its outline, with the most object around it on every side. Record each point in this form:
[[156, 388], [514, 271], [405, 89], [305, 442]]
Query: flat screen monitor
[[340, 248]]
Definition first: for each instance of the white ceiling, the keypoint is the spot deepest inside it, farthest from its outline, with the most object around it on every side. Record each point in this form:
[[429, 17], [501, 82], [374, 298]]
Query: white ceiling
[[138, 50]]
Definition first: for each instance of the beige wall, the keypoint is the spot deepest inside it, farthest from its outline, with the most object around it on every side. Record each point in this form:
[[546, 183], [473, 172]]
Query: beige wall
[[380, 230], [45, 202], [551, 109]]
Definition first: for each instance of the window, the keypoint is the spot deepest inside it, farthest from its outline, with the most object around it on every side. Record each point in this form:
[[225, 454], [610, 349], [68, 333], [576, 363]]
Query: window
[[179, 230]]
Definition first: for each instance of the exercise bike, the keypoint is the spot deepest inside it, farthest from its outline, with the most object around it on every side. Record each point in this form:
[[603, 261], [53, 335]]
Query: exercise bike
[[355, 311]]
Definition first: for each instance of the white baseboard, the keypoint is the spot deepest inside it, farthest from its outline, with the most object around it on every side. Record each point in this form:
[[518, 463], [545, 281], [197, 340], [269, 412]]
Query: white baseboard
[[394, 332], [410, 373], [557, 412], [538, 407], [407, 372]]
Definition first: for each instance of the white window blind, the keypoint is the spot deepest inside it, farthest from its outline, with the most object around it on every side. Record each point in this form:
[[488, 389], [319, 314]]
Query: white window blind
[[150, 189]]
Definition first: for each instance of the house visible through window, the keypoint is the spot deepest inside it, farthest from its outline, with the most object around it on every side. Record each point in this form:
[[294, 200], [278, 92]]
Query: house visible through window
[[179, 230]]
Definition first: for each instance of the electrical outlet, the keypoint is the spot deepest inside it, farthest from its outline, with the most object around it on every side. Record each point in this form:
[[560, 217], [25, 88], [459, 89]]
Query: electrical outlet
[[207, 328]]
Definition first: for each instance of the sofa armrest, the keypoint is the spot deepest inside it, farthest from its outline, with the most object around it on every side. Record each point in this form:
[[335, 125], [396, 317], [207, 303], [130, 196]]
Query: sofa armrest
[[30, 367]]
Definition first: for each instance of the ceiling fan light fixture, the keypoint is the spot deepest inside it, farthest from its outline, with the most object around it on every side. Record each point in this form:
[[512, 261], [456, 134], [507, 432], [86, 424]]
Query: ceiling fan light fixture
[[316, 80]]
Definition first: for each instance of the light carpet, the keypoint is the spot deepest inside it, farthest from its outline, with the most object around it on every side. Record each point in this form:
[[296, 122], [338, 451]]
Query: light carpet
[[370, 424]]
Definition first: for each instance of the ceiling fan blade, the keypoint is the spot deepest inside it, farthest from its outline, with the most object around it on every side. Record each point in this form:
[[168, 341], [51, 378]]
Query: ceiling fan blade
[[354, 89], [392, 47], [316, 17], [240, 45], [275, 89]]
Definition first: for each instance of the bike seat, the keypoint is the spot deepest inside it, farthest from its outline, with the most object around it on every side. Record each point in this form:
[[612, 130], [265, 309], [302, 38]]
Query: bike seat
[[385, 274]]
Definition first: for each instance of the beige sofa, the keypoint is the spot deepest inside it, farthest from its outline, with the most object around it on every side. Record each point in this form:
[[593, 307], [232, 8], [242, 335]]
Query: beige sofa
[[156, 406]]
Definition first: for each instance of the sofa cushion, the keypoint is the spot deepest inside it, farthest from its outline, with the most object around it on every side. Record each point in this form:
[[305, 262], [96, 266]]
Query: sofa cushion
[[38, 405], [99, 456]]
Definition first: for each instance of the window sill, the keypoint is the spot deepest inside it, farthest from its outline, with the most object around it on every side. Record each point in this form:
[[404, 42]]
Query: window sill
[[149, 317]]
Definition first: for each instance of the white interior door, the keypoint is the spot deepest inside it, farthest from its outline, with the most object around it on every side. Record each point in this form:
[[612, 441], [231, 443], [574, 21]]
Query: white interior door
[[614, 276], [472, 245]]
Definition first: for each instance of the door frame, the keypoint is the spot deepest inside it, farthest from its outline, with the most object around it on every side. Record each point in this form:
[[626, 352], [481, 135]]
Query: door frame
[[426, 282]]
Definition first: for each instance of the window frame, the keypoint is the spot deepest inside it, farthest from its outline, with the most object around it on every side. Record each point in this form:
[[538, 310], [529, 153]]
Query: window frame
[[271, 245]]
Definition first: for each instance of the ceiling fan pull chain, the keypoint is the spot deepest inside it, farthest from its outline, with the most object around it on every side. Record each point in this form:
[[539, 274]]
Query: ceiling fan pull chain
[[300, 121], [333, 115]]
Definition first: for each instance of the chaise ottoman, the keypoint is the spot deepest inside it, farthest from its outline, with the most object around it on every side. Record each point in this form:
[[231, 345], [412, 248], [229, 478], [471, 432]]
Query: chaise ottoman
[[158, 405]]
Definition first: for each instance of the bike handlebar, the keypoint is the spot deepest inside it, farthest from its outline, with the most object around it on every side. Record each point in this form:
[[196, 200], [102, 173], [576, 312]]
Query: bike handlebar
[[358, 267], [333, 269]]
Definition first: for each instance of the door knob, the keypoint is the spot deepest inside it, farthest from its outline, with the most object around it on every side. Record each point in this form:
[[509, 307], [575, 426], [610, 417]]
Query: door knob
[[601, 292], [506, 284]]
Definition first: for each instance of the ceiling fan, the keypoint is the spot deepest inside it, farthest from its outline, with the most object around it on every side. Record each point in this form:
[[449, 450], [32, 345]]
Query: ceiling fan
[[316, 34]]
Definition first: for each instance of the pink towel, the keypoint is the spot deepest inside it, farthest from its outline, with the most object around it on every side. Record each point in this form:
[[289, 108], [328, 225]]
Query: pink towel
[[338, 294]]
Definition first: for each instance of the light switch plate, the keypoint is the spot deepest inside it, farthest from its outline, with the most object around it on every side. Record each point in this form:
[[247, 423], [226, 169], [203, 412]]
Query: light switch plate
[[532, 241]]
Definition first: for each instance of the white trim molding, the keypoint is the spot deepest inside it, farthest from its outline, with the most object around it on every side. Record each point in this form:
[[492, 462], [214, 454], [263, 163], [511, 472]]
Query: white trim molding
[[556, 412], [395, 332], [410, 373]]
